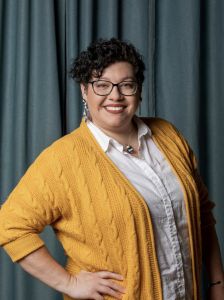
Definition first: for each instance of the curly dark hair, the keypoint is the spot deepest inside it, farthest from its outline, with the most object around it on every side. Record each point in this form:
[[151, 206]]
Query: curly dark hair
[[100, 54]]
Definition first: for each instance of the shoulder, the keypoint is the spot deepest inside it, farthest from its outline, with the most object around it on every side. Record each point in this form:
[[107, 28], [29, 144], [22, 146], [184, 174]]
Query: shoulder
[[167, 134], [159, 125], [59, 151], [46, 169]]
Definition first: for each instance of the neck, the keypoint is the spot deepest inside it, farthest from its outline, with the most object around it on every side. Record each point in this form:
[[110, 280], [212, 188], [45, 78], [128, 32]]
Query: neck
[[127, 137], [122, 135]]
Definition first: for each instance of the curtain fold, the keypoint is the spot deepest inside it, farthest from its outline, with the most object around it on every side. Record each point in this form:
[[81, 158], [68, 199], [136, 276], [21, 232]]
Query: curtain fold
[[178, 64], [182, 46]]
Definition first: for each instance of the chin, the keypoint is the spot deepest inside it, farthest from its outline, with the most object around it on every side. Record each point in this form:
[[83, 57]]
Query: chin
[[116, 123]]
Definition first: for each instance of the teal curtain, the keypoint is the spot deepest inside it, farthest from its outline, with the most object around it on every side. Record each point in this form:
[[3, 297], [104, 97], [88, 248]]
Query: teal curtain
[[182, 45]]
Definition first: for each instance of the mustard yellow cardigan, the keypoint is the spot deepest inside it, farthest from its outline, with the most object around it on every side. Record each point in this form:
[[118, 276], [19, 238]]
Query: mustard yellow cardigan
[[98, 216]]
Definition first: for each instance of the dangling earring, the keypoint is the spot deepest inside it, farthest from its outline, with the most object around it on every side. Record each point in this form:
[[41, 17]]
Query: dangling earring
[[85, 109]]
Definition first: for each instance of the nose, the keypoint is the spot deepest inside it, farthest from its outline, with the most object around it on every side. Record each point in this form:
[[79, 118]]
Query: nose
[[115, 94]]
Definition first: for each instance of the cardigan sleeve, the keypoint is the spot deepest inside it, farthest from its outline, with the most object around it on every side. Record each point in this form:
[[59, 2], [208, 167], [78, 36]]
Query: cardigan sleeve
[[206, 204], [29, 208]]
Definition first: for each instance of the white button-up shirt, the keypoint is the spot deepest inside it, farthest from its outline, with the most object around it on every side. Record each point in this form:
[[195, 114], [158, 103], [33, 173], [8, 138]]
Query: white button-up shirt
[[153, 178]]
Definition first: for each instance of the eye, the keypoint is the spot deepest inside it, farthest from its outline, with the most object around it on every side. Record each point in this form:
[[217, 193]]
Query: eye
[[128, 84], [102, 84]]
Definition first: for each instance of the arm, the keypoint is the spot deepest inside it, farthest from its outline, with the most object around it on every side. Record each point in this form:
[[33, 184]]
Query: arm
[[85, 285], [213, 263], [210, 245], [41, 265]]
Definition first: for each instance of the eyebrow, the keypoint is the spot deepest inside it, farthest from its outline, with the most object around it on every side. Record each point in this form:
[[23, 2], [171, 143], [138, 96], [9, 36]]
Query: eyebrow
[[122, 79]]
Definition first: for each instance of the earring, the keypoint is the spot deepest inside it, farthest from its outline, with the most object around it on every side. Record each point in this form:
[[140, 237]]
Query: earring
[[85, 109]]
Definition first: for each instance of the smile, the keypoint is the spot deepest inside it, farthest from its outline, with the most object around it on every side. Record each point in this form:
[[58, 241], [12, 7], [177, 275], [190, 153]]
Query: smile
[[115, 109]]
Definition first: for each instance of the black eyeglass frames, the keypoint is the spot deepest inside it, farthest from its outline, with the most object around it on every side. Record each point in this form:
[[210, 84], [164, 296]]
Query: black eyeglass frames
[[105, 87]]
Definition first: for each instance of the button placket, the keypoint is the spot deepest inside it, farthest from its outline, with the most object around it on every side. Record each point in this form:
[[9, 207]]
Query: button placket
[[165, 197]]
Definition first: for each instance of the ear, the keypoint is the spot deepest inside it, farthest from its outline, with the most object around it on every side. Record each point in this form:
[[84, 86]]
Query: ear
[[83, 90]]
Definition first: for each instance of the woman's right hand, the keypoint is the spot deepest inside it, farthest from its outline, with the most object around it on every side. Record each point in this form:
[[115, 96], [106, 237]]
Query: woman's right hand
[[84, 285], [89, 285]]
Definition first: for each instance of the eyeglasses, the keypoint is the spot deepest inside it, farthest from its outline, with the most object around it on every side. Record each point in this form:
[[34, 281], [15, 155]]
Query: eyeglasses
[[104, 87]]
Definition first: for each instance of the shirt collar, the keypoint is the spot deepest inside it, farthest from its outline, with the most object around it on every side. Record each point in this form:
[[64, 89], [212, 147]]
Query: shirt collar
[[101, 137], [143, 129], [105, 141]]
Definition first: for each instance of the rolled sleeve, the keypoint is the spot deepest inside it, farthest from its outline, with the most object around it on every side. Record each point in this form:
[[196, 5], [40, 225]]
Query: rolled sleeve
[[29, 208]]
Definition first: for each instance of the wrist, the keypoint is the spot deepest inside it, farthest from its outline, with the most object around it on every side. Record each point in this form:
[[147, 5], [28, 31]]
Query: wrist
[[69, 284], [65, 283]]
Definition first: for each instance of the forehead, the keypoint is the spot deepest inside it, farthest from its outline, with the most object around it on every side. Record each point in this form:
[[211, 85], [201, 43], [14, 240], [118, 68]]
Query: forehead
[[118, 71]]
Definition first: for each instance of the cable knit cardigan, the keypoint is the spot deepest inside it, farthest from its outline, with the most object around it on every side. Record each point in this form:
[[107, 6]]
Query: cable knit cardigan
[[100, 219]]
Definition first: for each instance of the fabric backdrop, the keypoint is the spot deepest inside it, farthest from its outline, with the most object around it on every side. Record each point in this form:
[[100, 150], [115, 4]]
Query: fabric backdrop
[[182, 44]]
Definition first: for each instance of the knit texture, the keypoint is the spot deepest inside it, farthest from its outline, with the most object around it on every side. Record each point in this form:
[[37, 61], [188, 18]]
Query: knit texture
[[101, 220]]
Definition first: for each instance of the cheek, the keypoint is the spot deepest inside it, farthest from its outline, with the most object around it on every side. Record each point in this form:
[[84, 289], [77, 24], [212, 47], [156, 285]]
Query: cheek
[[135, 103], [99, 104], [95, 104]]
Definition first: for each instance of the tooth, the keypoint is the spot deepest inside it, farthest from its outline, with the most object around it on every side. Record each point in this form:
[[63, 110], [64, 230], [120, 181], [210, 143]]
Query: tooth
[[115, 108]]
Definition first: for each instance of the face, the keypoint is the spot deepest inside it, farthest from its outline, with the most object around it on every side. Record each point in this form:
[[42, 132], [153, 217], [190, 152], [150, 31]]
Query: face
[[102, 108]]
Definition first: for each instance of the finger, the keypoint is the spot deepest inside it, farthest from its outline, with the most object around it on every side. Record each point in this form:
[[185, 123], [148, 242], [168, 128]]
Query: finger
[[97, 297], [110, 292], [113, 285], [106, 274]]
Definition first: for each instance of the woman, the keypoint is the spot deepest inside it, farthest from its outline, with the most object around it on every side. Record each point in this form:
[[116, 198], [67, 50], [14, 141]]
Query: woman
[[123, 195]]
